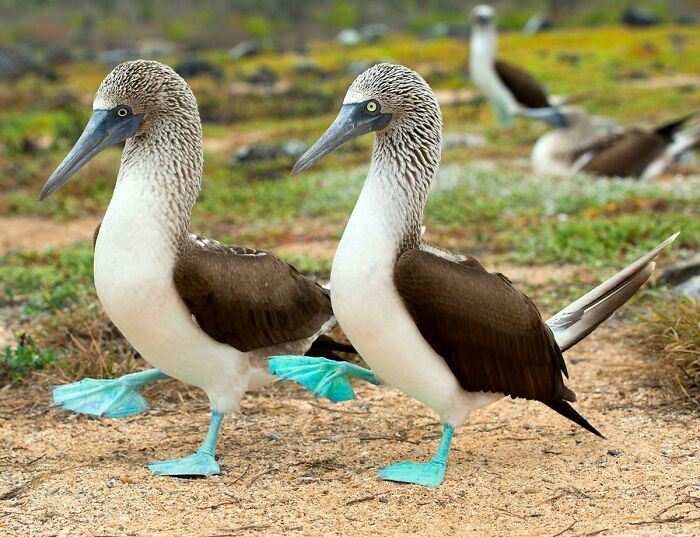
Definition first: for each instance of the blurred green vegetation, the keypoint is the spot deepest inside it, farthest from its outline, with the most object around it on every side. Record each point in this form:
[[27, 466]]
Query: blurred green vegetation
[[484, 200]]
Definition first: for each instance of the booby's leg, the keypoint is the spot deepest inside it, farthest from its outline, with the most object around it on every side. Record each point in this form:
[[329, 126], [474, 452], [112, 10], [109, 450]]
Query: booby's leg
[[202, 463], [113, 398], [429, 474], [321, 376], [503, 117]]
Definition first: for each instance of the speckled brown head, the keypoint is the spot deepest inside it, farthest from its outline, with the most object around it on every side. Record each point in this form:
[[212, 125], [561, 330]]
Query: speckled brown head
[[394, 102], [138, 99]]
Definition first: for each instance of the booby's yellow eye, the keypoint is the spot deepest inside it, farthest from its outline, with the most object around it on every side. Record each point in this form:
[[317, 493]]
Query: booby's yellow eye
[[122, 112], [371, 106]]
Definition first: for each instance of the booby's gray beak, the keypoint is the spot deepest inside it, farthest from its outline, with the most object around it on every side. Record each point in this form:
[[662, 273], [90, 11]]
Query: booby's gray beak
[[483, 20], [105, 128], [551, 116], [353, 120]]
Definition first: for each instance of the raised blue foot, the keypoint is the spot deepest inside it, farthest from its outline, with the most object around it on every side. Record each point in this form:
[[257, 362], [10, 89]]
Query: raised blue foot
[[321, 376], [114, 398], [429, 474], [202, 463]]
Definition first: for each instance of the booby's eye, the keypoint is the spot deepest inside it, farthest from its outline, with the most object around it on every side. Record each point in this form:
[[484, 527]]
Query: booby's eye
[[372, 106], [123, 111]]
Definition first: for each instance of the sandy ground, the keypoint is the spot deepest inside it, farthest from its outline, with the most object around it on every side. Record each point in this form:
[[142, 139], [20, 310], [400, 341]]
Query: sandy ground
[[292, 465], [32, 233]]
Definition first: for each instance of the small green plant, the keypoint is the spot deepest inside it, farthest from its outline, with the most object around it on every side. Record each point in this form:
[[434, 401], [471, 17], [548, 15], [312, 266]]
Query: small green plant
[[18, 361]]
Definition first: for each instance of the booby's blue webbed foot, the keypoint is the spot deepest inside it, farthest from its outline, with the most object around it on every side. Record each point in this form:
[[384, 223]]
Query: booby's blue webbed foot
[[113, 398], [428, 474], [199, 464], [321, 376], [202, 463]]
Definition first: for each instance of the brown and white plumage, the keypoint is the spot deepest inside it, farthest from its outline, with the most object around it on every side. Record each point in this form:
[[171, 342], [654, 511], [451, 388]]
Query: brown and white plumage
[[248, 298], [433, 323], [620, 152], [198, 310], [510, 89], [526, 90]]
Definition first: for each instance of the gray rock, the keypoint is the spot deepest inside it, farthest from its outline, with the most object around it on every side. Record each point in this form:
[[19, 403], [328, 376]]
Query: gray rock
[[245, 49], [639, 16], [689, 288], [462, 140], [349, 37], [17, 62], [684, 277], [263, 77], [681, 272], [371, 33], [536, 24], [292, 149], [194, 67]]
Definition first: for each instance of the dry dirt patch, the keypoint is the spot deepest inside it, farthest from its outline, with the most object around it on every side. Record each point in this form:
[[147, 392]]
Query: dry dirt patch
[[292, 465], [32, 233]]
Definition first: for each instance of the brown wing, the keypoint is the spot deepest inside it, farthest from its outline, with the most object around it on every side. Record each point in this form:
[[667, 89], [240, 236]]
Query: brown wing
[[247, 298], [490, 334], [626, 156], [95, 234], [599, 143], [526, 90]]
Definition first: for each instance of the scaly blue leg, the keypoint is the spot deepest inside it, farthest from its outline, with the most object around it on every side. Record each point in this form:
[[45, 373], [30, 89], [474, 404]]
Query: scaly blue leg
[[429, 474], [503, 117], [321, 376], [202, 463], [114, 398]]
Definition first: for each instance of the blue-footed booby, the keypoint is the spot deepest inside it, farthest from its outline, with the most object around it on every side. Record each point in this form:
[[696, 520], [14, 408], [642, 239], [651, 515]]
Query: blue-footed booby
[[511, 90], [432, 323], [578, 146], [197, 310]]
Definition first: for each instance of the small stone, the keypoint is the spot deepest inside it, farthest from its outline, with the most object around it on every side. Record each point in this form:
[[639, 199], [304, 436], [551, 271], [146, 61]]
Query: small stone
[[614, 452], [384, 499]]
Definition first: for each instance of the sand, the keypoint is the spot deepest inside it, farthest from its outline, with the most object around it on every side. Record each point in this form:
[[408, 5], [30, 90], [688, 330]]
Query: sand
[[293, 465]]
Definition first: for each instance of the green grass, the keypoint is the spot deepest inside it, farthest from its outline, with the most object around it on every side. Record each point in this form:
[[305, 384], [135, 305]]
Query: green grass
[[483, 201], [47, 281], [23, 358], [676, 337]]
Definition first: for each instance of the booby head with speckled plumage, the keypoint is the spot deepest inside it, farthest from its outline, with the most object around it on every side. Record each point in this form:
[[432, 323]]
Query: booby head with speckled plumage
[[394, 102], [139, 98], [203, 312]]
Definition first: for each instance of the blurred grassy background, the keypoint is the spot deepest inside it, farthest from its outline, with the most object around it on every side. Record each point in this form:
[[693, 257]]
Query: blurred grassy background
[[284, 84]]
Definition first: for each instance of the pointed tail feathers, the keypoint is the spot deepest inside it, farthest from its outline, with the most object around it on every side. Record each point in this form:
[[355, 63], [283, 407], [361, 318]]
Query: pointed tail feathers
[[566, 410], [683, 141], [581, 317], [669, 129]]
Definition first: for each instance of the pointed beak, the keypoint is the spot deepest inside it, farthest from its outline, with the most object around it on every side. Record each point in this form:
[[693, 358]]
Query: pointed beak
[[551, 116], [352, 121], [103, 129]]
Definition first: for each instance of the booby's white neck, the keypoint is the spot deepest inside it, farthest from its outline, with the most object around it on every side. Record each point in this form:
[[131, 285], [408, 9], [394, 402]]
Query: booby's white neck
[[388, 215], [483, 46], [147, 218]]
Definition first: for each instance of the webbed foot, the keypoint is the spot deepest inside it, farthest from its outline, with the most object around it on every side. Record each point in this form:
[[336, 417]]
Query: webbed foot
[[429, 474], [321, 376], [199, 464], [113, 398], [202, 463]]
